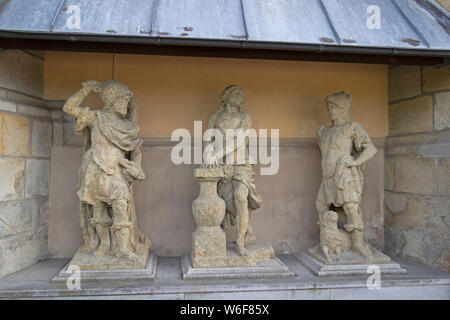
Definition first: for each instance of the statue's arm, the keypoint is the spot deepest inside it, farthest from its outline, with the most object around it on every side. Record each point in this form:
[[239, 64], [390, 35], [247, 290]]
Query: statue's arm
[[363, 145], [72, 105], [319, 134], [136, 157], [133, 168]]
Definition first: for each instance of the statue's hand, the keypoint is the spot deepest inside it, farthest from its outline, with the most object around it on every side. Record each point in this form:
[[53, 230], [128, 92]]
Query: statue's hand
[[93, 85], [349, 161], [131, 169], [211, 161]]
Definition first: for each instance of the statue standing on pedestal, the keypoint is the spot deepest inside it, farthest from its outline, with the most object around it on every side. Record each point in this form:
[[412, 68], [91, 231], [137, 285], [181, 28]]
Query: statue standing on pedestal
[[227, 192], [111, 163], [237, 188], [345, 147]]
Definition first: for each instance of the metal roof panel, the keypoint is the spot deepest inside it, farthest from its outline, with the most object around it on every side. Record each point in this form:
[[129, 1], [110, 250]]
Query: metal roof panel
[[434, 33], [113, 17], [300, 21], [26, 15], [218, 19], [414, 26], [350, 20]]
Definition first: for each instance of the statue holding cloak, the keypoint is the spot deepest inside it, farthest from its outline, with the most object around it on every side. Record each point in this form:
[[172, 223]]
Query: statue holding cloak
[[111, 163]]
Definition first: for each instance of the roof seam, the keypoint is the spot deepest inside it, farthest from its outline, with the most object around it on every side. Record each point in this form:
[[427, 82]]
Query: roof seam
[[152, 23], [410, 23], [52, 24], [243, 19], [325, 12]]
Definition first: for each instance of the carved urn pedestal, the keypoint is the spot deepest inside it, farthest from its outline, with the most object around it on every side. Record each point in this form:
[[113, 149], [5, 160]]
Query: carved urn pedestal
[[210, 258], [209, 245]]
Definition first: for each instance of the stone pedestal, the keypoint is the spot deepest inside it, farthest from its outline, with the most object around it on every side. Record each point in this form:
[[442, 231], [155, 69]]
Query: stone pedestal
[[350, 264], [208, 239], [209, 247], [88, 261], [118, 272], [268, 268]]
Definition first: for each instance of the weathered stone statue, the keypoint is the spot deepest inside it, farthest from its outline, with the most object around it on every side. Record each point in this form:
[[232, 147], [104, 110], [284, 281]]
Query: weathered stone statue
[[111, 163], [345, 147], [237, 188], [234, 183]]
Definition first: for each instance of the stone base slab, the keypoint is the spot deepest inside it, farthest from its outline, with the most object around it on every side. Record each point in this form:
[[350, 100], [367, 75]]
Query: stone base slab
[[117, 274], [88, 261], [350, 257], [256, 251], [271, 268], [321, 269]]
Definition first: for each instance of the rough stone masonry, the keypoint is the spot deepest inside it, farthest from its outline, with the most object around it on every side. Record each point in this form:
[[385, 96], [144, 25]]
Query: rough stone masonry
[[25, 142], [417, 165]]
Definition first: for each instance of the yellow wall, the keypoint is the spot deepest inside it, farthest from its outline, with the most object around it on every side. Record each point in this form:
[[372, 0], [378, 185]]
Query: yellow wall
[[172, 92]]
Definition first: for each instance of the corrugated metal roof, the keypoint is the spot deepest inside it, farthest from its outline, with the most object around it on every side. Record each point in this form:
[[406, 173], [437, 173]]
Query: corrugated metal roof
[[405, 24]]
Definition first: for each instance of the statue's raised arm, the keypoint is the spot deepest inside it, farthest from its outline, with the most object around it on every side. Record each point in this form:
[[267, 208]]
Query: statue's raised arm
[[72, 105]]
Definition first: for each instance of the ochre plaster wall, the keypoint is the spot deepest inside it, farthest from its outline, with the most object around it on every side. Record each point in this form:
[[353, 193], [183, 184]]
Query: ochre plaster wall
[[172, 92]]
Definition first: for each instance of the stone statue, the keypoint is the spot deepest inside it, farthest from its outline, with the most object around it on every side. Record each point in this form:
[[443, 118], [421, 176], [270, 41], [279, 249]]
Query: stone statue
[[227, 194], [345, 147], [111, 163], [237, 188]]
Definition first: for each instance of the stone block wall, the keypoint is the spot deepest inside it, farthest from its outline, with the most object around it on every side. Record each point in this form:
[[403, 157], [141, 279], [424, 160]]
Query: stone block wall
[[417, 165], [25, 141]]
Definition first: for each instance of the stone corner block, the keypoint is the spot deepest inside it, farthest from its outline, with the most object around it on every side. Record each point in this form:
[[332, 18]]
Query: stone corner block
[[411, 116], [442, 110], [415, 175], [404, 82], [444, 176], [389, 174], [38, 177], [436, 78], [14, 135], [17, 217], [33, 111], [22, 72], [41, 139], [12, 183], [6, 105]]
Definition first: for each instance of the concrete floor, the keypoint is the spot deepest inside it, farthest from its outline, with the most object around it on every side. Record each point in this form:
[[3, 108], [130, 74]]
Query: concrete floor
[[421, 282]]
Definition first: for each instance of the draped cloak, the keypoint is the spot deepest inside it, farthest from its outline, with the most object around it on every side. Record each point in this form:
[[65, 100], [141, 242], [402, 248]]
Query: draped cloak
[[108, 140]]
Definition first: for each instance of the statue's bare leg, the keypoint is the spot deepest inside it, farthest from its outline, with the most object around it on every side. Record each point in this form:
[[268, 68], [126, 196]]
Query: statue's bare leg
[[354, 216], [121, 227], [240, 193], [321, 204], [90, 239], [326, 253], [250, 236], [102, 223], [226, 221]]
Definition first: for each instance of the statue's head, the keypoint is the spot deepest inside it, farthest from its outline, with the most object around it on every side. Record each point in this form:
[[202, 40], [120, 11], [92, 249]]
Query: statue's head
[[118, 99], [338, 106], [232, 98]]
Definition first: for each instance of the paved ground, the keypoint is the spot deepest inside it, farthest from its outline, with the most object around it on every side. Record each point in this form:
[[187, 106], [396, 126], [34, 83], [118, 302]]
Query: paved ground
[[421, 282]]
